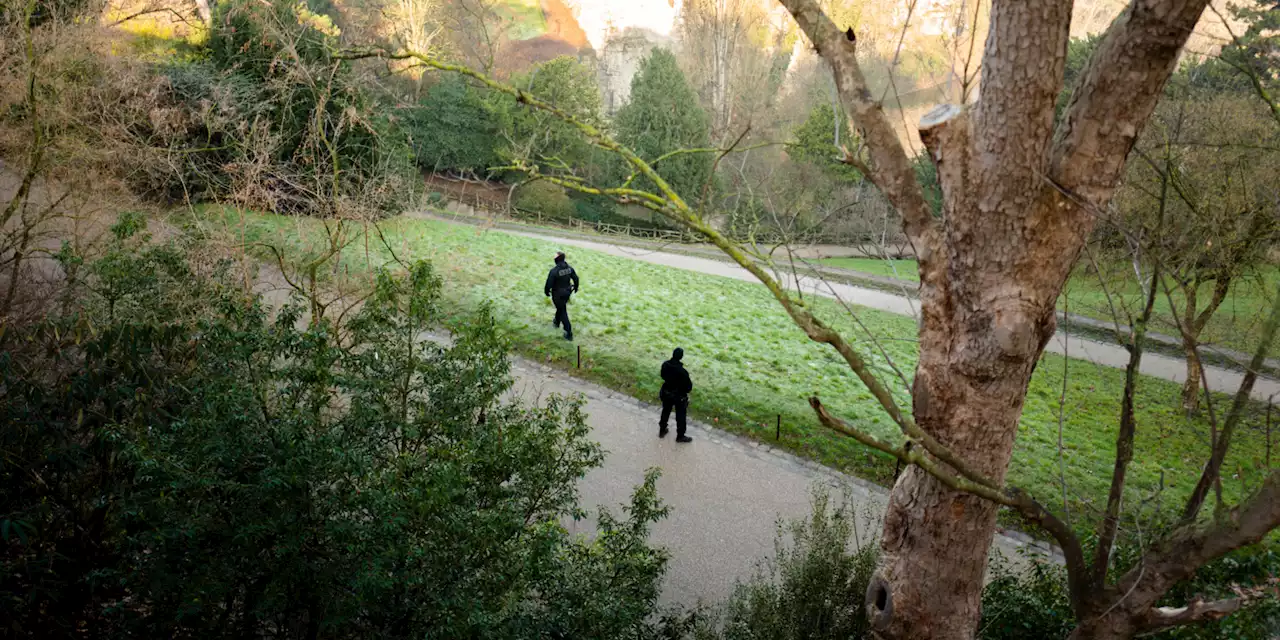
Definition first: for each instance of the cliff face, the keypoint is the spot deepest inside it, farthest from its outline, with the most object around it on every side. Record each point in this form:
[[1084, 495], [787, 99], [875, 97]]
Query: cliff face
[[620, 34], [614, 35], [618, 61]]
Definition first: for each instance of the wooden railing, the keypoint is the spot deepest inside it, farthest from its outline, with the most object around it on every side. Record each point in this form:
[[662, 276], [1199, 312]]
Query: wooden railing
[[761, 237]]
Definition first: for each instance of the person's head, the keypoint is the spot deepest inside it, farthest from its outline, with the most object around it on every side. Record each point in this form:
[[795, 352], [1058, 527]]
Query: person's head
[[678, 354], [559, 257]]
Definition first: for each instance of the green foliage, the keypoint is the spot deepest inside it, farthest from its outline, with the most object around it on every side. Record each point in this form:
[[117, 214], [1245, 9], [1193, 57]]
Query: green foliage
[[927, 176], [1256, 565], [816, 143], [541, 138], [593, 208], [1034, 603], [813, 587], [1256, 54], [663, 116], [37, 13], [179, 463], [264, 114], [453, 129], [546, 198]]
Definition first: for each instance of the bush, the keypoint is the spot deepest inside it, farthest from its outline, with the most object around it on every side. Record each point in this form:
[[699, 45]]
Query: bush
[[814, 587], [179, 464], [1034, 603], [545, 198], [1026, 604], [453, 130]]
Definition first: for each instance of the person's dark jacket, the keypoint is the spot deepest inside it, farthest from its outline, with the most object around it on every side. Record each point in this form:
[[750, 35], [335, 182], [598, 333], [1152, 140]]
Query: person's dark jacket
[[561, 280], [675, 380]]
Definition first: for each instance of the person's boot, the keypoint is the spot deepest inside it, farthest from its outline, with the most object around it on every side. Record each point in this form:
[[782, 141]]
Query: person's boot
[[663, 431], [568, 336], [683, 439]]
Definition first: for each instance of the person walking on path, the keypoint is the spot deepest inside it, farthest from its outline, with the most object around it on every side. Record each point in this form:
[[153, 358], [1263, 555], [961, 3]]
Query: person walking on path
[[562, 282], [676, 386]]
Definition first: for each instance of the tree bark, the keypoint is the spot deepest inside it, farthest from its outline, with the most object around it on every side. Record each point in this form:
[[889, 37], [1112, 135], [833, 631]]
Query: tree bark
[[1193, 325], [1191, 388]]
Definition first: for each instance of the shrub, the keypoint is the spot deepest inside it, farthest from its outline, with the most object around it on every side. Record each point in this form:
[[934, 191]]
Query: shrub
[[546, 198], [1033, 603], [453, 130], [179, 464], [814, 586]]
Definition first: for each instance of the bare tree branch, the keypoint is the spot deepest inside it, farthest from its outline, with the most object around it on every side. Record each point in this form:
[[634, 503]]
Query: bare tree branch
[[1124, 439], [1013, 119], [1117, 93], [889, 168], [1198, 610], [1214, 466]]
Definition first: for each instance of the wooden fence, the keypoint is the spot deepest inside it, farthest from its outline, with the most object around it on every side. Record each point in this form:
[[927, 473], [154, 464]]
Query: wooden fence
[[764, 237]]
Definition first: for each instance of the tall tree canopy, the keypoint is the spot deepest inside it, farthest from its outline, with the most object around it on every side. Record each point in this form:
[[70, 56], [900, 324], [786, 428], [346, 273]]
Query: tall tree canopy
[[663, 116]]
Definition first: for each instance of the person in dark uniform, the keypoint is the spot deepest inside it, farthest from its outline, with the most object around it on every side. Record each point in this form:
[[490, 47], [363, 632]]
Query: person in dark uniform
[[562, 282], [676, 386]]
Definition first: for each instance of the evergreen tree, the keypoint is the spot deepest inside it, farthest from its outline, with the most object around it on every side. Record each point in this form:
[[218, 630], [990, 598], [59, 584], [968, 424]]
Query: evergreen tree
[[815, 143], [663, 116], [1258, 48], [540, 137], [452, 129]]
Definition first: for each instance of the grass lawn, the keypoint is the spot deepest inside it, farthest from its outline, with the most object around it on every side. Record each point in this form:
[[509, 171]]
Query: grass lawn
[[1236, 325], [900, 269], [749, 363]]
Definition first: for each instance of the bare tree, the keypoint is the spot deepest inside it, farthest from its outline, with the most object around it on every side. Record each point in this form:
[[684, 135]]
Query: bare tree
[[712, 32], [1018, 205]]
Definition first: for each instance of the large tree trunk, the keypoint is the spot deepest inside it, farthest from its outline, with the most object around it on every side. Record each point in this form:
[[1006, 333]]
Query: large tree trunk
[[988, 303]]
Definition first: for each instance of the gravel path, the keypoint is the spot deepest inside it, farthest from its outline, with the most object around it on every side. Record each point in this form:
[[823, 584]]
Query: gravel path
[[726, 493], [1109, 355]]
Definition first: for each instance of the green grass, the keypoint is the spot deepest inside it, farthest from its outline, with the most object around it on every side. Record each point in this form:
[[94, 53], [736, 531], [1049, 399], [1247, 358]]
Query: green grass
[[1236, 325], [750, 363], [900, 269]]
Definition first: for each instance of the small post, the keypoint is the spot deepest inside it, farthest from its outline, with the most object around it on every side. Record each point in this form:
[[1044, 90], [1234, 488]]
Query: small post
[[579, 356], [777, 434], [897, 468]]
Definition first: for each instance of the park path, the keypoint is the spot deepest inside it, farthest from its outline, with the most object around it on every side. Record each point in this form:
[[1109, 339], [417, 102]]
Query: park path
[[726, 493], [1104, 354]]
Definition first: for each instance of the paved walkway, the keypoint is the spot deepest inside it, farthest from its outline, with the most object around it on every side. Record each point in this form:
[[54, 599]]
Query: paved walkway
[[1110, 355], [726, 493]]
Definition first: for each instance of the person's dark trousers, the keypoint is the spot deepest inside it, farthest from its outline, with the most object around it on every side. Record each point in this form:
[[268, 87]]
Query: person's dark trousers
[[562, 313], [681, 405]]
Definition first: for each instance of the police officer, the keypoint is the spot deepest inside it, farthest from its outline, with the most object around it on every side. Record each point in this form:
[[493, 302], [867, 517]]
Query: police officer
[[562, 282], [676, 386]]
